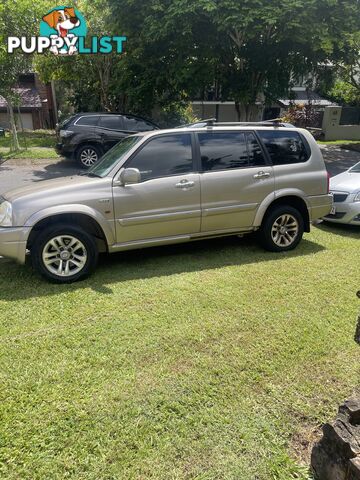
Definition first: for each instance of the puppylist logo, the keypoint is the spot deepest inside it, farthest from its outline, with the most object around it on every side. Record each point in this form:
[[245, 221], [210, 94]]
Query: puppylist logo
[[63, 31]]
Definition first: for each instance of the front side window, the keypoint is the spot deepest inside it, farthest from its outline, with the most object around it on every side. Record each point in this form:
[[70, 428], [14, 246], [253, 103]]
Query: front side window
[[113, 156], [111, 122], [229, 150], [89, 121], [163, 156], [284, 147]]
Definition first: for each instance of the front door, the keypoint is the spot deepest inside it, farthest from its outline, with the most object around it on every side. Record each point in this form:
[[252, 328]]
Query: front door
[[166, 203], [235, 179]]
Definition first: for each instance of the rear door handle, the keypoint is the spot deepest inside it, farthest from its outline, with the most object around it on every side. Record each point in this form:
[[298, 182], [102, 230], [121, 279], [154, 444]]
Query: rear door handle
[[185, 184], [262, 174]]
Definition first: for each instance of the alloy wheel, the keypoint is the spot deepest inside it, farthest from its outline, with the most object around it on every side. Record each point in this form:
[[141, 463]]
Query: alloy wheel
[[64, 255], [284, 230], [88, 157]]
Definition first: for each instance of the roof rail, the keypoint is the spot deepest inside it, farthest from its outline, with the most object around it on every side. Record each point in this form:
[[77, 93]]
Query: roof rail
[[211, 122], [200, 123]]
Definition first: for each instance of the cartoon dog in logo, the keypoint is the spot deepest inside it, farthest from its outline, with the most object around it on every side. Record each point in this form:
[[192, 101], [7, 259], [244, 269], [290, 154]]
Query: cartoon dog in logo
[[63, 20]]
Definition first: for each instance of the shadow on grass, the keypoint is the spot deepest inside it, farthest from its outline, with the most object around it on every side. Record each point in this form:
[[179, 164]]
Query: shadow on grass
[[21, 282], [351, 231]]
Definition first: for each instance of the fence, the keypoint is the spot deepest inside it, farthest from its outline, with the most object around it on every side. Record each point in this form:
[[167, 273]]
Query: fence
[[350, 116]]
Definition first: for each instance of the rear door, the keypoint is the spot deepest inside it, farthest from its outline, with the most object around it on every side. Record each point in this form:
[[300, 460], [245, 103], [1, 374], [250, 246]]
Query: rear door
[[235, 178], [295, 165], [111, 130]]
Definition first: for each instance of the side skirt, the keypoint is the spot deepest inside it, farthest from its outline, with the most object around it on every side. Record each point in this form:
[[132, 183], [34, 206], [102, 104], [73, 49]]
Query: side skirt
[[153, 242]]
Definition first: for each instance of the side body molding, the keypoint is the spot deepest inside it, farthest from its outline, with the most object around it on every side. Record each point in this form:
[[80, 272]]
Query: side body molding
[[74, 209], [286, 192]]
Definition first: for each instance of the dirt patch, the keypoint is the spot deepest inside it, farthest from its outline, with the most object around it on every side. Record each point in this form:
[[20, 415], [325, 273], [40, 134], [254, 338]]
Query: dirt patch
[[303, 441]]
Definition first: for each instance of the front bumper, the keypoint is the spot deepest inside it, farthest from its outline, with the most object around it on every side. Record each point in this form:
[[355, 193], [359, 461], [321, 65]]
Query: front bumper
[[13, 241], [346, 212], [64, 150]]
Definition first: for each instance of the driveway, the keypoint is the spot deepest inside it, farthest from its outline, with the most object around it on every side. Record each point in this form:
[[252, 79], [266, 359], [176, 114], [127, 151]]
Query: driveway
[[21, 172], [17, 173]]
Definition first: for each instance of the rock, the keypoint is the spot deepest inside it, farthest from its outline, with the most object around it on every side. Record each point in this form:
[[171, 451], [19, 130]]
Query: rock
[[330, 458], [354, 469]]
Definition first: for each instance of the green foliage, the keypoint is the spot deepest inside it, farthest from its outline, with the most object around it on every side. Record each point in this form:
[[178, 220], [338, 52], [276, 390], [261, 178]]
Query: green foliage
[[345, 93], [174, 114], [251, 48]]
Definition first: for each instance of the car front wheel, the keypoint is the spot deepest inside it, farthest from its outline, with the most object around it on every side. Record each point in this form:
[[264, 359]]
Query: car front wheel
[[282, 229], [64, 254]]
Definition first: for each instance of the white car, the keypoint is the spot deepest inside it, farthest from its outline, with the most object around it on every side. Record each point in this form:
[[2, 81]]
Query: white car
[[345, 189]]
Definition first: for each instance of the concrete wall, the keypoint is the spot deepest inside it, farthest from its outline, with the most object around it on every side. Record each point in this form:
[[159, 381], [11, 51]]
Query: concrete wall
[[226, 111], [333, 130]]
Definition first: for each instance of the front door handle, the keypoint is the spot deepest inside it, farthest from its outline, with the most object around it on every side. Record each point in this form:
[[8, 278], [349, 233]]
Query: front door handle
[[185, 184], [262, 174]]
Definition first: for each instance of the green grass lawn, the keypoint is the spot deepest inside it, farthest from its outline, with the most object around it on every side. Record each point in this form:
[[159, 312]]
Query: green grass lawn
[[37, 144], [211, 360], [337, 142]]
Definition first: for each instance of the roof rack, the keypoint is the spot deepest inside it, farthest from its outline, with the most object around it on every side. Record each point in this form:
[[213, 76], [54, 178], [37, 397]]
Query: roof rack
[[211, 122]]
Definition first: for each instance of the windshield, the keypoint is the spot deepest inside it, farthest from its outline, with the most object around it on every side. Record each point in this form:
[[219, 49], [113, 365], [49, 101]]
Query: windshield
[[113, 156], [355, 168]]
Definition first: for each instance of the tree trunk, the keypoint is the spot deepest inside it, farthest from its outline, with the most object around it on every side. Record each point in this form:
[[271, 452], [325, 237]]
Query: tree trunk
[[15, 141], [22, 127], [237, 108]]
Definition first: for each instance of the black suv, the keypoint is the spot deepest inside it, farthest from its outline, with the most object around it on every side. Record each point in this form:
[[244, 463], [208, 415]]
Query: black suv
[[87, 136]]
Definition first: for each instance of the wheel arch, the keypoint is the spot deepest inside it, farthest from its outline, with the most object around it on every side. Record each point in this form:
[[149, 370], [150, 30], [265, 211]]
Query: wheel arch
[[293, 199], [80, 219]]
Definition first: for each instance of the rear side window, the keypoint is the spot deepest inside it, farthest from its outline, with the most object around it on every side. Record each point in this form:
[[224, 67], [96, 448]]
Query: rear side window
[[90, 120], [285, 147], [137, 125], [228, 150], [112, 122], [164, 156]]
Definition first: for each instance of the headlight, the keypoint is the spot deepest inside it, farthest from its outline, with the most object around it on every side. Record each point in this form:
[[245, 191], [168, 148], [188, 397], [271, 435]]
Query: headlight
[[5, 214], [65, 133], [357, 197]]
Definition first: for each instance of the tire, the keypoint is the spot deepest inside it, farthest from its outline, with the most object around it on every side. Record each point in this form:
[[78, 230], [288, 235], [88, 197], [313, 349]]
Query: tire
[[88, 155], [66, 249], [282, 229]]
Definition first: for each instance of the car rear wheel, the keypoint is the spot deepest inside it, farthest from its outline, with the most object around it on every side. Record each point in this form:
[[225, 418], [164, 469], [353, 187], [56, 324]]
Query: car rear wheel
[[64, 254], [88, 155], [282, 229]]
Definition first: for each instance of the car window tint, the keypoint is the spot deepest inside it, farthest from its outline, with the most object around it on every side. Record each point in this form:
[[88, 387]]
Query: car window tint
[[112, 122], [137, 125], [90, 120], [223, 150], [256, 156], [164, 156], [284, 147]]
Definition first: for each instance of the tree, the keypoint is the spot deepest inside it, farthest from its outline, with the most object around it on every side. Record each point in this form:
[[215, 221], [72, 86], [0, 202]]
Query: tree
[[15, 20], [91, 79], [253, 48], [345, 87]]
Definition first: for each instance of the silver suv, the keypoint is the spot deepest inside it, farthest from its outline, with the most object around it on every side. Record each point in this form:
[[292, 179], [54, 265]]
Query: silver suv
[[169, 186]]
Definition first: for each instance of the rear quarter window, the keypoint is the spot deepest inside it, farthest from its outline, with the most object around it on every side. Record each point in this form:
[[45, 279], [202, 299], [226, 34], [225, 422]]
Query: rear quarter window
[[137, 124], [285, 148]]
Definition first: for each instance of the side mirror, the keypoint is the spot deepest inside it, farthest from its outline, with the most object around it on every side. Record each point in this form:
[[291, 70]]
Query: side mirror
[[130, 175]]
